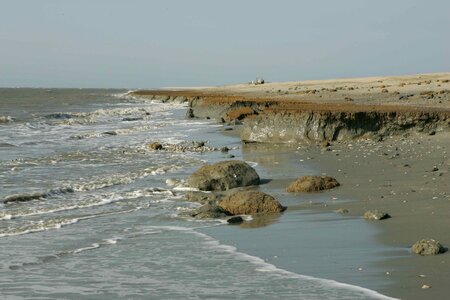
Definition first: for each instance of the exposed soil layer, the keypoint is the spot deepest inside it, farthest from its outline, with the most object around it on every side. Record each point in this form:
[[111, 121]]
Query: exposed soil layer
[[323, 110]]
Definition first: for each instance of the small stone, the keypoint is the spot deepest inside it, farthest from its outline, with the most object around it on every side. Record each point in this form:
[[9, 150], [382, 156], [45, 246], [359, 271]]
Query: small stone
[[426, 286], [376, 215], [224, 149], [155, 146], [312, 184], [235, 220], [428, 247], [199, 144], [432, 132], [210, 211], [326, 144], [435, 168], [342, 211], [110, 133]]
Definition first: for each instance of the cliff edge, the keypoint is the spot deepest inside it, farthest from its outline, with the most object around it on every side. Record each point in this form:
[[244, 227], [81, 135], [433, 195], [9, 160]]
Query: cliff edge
[[337, 109]]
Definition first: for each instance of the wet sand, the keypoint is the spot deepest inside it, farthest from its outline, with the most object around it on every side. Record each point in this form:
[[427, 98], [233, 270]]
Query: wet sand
[[406, 177], [404, 172], [397, 175]]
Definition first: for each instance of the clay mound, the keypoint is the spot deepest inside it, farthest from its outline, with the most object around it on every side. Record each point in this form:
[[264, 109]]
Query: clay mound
[[224, 176], [312, 184], [251, 202]]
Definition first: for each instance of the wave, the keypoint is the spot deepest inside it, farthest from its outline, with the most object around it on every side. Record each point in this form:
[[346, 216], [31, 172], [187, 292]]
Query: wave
[[50, 258], [127, 95], [5, 119], [127, 114], [37, 195], [55, 223], [59, 116], [95, 184], [92, 201], [37, 226]]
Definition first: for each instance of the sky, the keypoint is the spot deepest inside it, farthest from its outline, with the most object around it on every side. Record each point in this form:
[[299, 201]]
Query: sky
[[150, 44]]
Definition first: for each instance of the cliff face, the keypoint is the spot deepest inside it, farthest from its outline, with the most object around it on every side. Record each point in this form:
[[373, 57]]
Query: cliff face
[[272, 122], [329, 110], [285, 127]]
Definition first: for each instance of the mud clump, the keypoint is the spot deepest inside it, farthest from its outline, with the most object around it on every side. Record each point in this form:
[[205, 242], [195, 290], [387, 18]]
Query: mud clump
[[310, 184]]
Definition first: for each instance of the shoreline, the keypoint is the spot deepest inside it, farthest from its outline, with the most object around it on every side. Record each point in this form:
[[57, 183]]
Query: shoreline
[[398, 164]]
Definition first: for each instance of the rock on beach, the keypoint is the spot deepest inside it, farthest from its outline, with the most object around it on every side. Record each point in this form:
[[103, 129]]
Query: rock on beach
[[251, 202], [312, 184], [376, 215], [210, 211], [428, 247], [223, 176]]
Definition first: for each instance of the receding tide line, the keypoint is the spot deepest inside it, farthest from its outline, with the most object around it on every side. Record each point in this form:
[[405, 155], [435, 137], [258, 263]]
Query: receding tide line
[[267, 267]]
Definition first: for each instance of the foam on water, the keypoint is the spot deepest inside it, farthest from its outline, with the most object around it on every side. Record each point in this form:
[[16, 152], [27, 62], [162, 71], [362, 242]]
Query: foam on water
[[5, 119], [263, 266], [91, 201], [55, 223], [94, 202], [216, 269]]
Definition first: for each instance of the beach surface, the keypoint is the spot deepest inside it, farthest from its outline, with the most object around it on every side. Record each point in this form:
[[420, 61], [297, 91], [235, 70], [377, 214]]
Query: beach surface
[[398, 163]]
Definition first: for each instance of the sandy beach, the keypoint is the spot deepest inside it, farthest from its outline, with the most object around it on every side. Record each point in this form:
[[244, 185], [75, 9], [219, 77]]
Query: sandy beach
[[399, 164]]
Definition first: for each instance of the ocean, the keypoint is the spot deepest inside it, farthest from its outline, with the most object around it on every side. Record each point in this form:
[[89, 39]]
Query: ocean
[[89, 211]]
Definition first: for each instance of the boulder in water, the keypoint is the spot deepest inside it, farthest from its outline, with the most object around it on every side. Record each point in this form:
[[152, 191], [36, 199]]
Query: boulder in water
[[210, 211], [155, 146]]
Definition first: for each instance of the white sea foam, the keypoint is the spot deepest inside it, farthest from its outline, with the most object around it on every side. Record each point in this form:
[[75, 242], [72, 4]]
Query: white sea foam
[[126, 95], [92, 201], [93, 246], [252, 163], [5, 119], [265, 267], [56, 223], [40, 225]]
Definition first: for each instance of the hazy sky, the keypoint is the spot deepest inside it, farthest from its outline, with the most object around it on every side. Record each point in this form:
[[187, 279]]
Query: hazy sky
[[146, 43]]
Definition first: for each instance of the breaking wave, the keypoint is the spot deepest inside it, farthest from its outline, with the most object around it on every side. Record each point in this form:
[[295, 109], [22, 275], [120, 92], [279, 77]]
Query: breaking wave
[[5, 119], [95, 184]]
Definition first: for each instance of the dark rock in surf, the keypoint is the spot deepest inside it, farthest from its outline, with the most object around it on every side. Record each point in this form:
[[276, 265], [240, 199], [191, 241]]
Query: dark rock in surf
[[155, 146], [131, 119], [210, 211], [23, 197], [110, 133], [235, 220], [201, 197]]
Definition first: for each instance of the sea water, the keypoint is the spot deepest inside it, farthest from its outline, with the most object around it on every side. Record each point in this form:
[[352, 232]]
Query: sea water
[[89, 211]]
